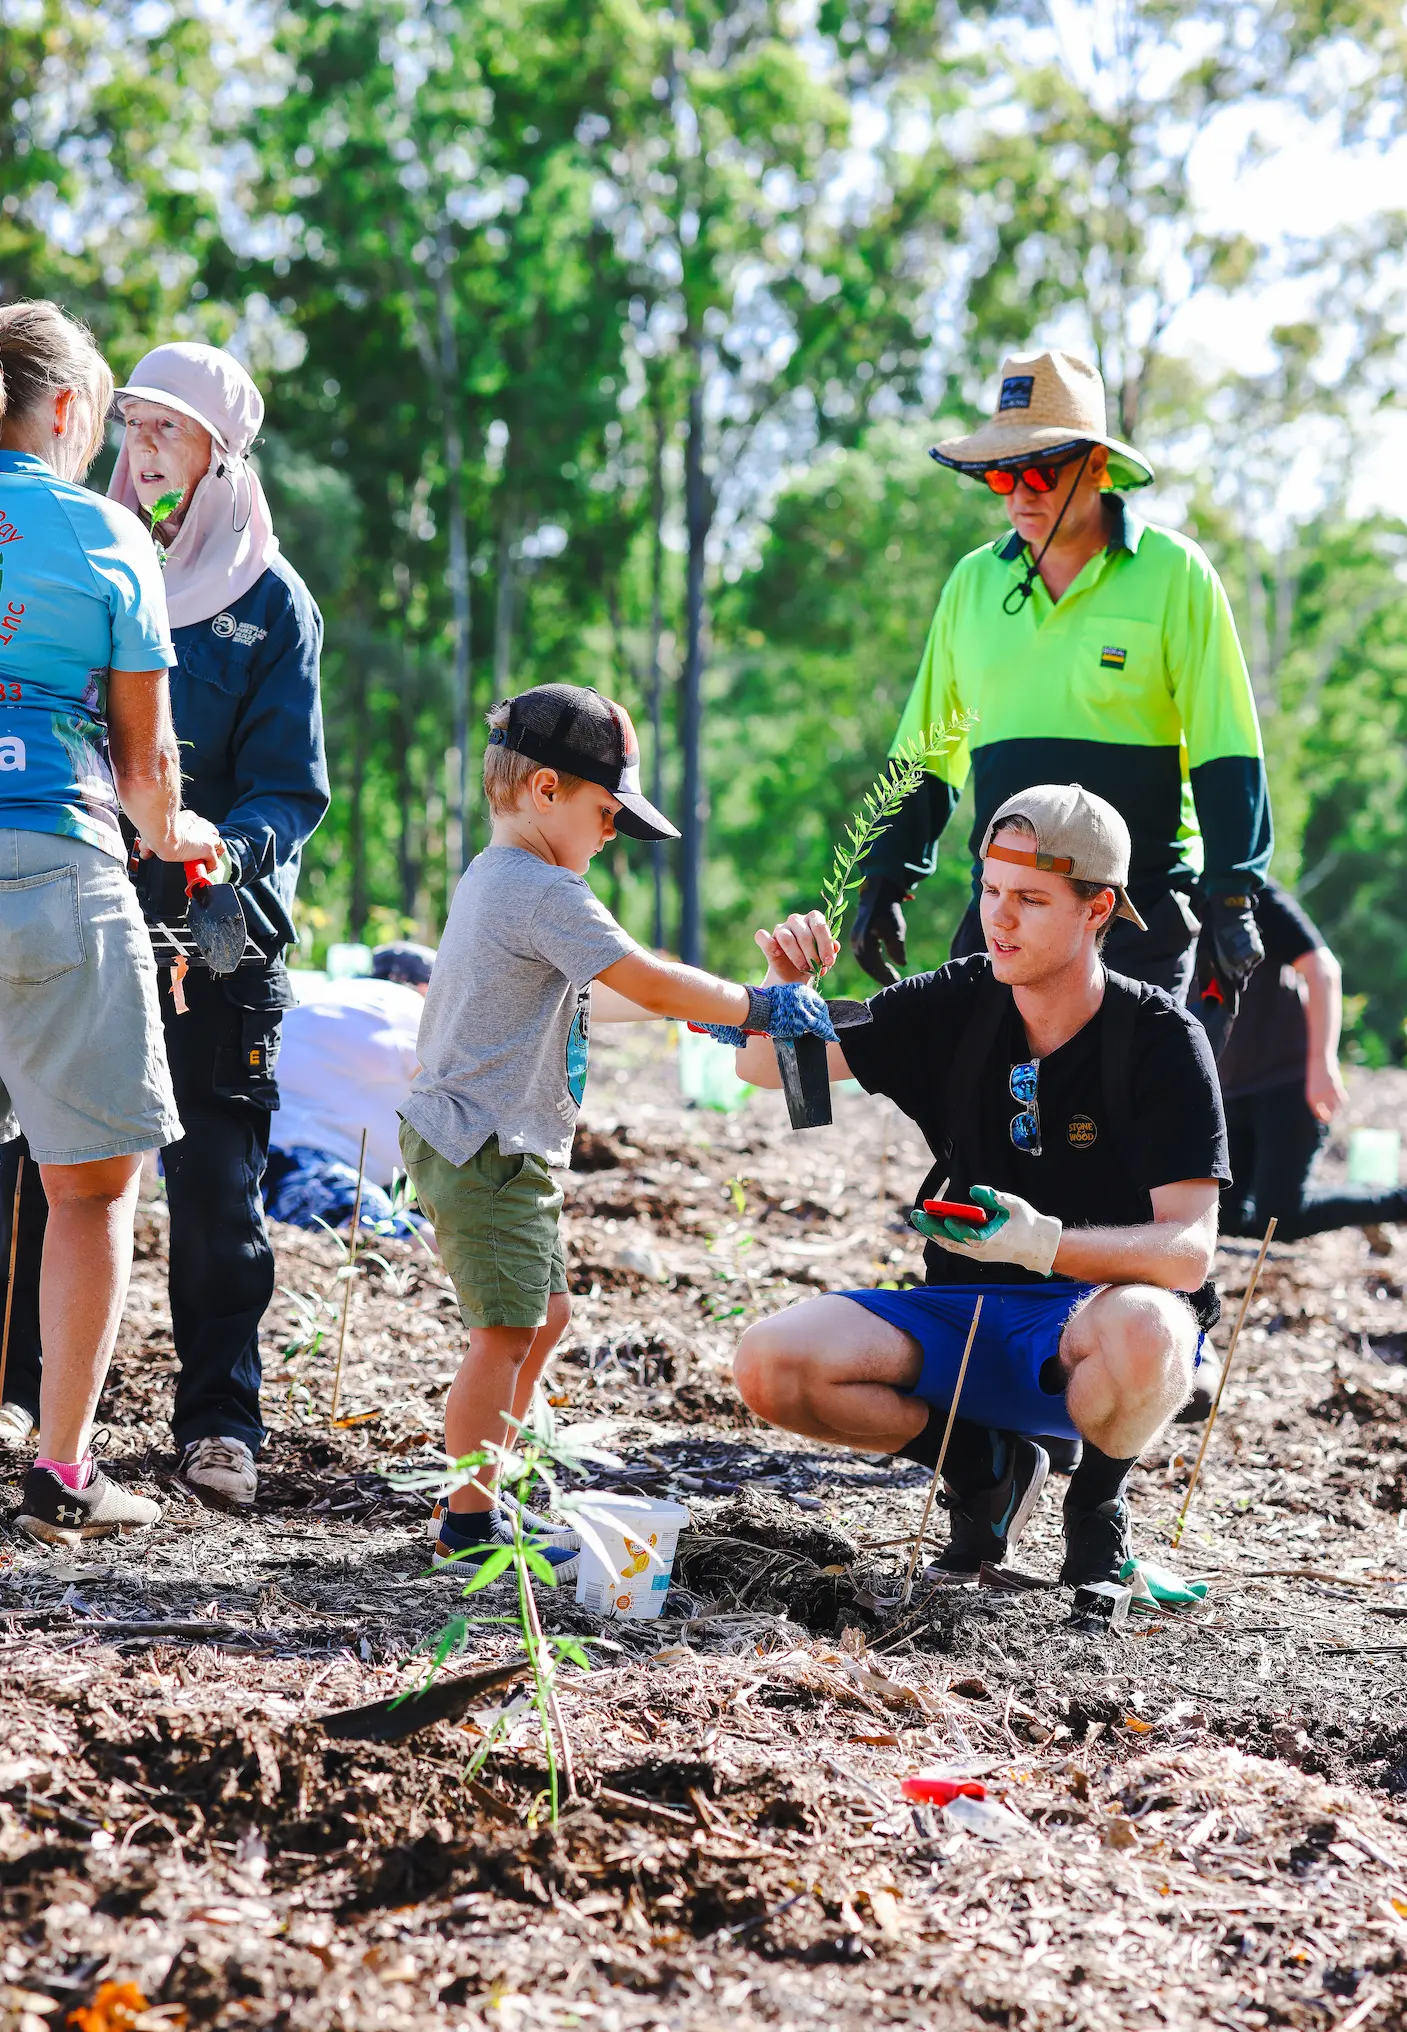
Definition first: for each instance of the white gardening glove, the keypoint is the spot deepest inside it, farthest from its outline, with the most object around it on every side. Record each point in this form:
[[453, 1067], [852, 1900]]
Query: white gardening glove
[[1014, 1233]]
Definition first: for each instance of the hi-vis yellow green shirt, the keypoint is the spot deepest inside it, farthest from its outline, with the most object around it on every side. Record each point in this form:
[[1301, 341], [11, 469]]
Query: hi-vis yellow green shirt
[[1133, 684]]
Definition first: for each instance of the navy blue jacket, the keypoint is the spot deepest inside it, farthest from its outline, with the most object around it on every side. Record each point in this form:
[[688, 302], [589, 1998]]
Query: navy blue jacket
[[244, 696]]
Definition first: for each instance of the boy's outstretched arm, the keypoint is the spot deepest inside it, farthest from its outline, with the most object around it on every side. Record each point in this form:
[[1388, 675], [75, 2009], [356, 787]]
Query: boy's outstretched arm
[[794, 952], [667, 988]]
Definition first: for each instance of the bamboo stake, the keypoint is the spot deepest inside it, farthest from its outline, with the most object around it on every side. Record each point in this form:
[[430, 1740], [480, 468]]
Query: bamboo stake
[[351, 1278], [1225, 1372], [942, 1456], [10, 1287]]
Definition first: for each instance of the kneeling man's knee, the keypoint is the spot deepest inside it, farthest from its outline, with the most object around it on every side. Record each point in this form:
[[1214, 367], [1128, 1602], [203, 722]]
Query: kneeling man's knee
[[760, 1367], [1155, 1340]]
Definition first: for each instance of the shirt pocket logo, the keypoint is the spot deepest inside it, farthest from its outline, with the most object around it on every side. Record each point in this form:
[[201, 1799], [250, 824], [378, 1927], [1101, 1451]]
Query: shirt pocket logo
[[1111, 657], [1082, 1132]]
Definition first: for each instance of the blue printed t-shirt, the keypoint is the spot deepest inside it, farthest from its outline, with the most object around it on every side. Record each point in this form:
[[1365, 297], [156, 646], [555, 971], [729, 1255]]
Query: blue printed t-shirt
[[80, 594]]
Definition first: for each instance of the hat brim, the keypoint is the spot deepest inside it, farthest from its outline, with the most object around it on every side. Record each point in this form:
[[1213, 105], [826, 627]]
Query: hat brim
[[638, 819], [999, 444], [169, 401]]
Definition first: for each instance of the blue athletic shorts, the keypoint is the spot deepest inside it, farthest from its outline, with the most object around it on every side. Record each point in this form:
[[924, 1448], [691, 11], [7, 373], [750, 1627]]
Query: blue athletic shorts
[[1017, 1336]]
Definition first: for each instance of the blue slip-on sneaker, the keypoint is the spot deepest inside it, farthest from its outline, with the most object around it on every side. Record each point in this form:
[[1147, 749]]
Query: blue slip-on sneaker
[[451, 1550]]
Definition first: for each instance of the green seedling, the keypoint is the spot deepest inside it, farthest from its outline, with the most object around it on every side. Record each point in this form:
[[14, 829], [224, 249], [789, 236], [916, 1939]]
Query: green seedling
[[534, 1458], [901, 776], [164, 505], [311, 1312]]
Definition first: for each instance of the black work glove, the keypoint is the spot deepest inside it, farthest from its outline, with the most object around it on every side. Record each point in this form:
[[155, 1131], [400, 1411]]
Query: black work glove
[[1236, 942], [161, 891], [879, 922]]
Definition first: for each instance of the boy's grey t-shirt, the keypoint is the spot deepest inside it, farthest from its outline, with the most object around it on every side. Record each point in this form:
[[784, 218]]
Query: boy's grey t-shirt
[[506, 1029]]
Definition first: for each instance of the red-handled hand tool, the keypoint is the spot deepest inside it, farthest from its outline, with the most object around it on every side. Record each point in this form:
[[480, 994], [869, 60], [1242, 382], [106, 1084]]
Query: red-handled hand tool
[[956, 1210]]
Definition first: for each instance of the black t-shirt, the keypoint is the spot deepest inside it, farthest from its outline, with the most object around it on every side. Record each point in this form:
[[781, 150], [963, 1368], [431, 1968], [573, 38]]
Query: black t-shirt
[[1087, 1174], [1269, 1041]]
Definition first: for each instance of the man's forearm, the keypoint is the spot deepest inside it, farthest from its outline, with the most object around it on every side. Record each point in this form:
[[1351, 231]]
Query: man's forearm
[[1323, 1011], [151, 795], [1165, 1253]]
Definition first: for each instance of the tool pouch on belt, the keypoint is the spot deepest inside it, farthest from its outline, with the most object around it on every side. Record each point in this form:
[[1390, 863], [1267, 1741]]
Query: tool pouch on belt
[[246, 1056]]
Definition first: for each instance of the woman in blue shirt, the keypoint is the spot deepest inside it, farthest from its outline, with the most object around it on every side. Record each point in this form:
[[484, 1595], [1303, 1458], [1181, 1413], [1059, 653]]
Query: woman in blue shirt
[[85, 728], [244, 694]]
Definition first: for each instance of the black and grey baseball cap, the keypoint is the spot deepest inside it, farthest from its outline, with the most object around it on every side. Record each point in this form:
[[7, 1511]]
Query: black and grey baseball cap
[[573, 728]]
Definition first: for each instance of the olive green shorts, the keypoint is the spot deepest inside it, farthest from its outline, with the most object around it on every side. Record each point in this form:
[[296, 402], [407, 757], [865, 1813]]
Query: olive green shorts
[[495, 1220]]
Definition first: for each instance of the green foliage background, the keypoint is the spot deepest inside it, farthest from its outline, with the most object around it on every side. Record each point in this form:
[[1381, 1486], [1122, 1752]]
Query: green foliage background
[[510, 273]]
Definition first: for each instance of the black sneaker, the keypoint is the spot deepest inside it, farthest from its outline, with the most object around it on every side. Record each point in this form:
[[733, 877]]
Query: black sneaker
[[984, 1524], [1097, 1543], [57, 1515]]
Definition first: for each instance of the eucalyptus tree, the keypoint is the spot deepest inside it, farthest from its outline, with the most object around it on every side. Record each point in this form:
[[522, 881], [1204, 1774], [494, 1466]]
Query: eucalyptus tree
[[106, 192], [422, 209]]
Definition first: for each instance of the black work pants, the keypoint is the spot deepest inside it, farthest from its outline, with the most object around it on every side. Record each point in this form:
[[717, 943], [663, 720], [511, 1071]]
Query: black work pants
[[1164, 955], [1275, 1139], [222, 1056]]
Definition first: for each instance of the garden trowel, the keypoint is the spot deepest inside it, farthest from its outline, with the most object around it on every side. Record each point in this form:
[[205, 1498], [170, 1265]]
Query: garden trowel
[[216, 920]]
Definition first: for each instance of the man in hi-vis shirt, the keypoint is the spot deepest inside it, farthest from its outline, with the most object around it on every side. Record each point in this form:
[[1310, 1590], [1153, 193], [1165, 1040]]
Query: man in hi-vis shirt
[[1086, 646]]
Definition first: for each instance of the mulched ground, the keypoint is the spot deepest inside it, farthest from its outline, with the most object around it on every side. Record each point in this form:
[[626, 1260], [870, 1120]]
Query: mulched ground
[[1202, 1820]]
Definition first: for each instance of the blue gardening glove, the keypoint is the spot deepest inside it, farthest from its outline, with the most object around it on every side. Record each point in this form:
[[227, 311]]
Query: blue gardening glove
[[786, 1011], [1014, 1232]]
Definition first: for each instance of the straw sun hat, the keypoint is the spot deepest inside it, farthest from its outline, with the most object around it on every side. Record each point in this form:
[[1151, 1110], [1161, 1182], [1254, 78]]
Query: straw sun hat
[[1047, 401]]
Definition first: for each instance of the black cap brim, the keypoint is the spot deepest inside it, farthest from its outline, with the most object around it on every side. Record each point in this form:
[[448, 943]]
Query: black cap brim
[[638, 819]]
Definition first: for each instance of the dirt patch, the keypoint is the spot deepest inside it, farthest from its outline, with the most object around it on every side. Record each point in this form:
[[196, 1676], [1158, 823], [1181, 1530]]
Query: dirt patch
[[1204, 1820]]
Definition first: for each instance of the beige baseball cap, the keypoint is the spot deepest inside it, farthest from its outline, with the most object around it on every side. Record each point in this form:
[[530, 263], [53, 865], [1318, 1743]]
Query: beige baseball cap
[[1077, 834], [1048, 402]]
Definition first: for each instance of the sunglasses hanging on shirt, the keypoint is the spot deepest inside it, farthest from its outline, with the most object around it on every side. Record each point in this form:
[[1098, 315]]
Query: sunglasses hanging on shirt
[[1026, 1127]]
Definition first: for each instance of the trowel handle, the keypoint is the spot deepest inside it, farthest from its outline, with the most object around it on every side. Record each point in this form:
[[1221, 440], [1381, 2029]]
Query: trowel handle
[[196, 877]]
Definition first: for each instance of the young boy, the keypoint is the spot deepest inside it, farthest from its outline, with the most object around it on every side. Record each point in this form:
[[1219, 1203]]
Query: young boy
[[503, 1051]]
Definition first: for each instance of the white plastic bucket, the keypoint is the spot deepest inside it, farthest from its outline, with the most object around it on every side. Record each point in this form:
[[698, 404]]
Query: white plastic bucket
[[633, 1585]]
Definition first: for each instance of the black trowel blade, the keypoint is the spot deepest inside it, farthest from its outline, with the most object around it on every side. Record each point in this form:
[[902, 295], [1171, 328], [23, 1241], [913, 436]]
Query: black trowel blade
[[217, 925]]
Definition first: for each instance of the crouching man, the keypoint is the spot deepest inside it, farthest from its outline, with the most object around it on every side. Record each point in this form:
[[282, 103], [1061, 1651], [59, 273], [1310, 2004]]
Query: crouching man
[[1081, 1111]]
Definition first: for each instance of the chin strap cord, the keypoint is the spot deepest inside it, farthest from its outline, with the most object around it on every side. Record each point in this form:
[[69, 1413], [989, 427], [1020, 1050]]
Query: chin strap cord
[[1020, 594]]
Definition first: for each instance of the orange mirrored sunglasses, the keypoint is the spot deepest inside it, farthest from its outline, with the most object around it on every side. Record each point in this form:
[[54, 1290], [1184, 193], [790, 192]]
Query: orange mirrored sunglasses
[[1040, 476]]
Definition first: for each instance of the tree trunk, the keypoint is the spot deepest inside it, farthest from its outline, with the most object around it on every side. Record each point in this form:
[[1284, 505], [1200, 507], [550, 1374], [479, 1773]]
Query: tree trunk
[[694, 796], [407, 867], [504, 592], [356, 802], [656, 676], [461, 680]]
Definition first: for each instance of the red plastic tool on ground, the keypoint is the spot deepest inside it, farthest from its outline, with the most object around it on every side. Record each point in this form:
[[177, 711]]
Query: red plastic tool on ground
[[930, 1790], [956, 1210]]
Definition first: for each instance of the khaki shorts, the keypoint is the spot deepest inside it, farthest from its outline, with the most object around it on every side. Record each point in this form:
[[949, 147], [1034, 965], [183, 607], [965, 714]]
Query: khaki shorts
[[82, 1056], [495, 1220]]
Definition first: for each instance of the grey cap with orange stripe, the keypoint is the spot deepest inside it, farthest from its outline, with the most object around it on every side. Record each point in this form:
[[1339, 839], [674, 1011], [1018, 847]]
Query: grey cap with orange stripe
[[1078, 835]]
